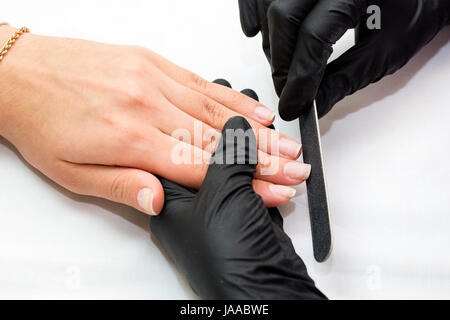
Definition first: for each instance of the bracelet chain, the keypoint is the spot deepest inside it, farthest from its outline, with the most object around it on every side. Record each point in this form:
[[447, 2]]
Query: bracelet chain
[[12, 40]]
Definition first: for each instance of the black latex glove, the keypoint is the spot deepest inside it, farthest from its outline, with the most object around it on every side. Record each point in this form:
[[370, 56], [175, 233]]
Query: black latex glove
[[298, 35], [223, 238]]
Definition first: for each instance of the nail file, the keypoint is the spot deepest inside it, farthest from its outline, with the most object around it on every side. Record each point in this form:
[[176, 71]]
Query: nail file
[[316, 186]]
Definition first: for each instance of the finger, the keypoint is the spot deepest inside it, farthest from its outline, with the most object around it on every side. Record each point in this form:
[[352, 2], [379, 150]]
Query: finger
[[324, 25], [214, 114], [223, 95], [233, 166], [263, 8], [248, 11], [281, 171], [284, 18], [182, 126], [187, 165], [273, 195], [352, 71], [133, 187]]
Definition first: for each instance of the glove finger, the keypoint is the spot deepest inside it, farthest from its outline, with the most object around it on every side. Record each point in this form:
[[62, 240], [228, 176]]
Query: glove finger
[[284, 19], [222, 82], [248, 11], [250, 93], [358, 67], [231, 171], [263, 8], [324, 25]]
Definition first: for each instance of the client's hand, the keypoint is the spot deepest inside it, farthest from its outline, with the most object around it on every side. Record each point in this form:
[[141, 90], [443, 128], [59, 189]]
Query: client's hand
[[102, 119], [223, 238]]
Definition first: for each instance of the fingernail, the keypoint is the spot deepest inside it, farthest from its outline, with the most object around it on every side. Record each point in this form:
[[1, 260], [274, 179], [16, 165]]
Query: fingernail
[[282, 191], [289, 147], [264, 114], [297, 170], [145, 201]]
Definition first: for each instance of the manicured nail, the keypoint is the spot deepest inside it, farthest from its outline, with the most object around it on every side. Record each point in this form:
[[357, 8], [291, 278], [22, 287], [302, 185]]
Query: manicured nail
[[297, 170], [264, 114], [290, 148], [145, 201], [282, 191]]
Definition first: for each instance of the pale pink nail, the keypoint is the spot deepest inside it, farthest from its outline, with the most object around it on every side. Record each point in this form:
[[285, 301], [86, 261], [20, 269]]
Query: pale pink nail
[[297, 170], [290, 148], [145, 201], [264, 114], [282, 191]]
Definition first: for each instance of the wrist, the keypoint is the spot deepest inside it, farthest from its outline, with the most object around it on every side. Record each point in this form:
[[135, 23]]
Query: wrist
[[7, 80], [6, 32]]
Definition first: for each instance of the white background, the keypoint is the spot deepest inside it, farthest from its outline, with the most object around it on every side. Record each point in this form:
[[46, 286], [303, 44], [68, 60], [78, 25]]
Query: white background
[[385, 148]]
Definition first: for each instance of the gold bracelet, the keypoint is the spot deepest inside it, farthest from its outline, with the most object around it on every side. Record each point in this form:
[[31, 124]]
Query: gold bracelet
[[12, 40]]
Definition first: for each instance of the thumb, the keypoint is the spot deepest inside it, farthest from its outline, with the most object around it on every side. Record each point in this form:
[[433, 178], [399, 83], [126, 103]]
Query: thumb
[[248, 11], [133, 187]]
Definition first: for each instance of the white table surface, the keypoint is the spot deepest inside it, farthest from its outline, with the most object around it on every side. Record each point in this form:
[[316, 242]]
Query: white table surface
[[385, 148]]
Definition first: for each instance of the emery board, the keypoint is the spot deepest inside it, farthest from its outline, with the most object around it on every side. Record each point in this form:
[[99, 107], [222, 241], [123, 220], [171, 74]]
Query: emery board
[[316, 185]]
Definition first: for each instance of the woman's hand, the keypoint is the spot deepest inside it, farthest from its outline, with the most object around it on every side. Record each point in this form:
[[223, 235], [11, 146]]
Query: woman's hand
[[102, 119]]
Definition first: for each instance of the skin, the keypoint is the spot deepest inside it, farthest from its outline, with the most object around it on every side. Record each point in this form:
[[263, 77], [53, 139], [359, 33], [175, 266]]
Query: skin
[[98, 118]]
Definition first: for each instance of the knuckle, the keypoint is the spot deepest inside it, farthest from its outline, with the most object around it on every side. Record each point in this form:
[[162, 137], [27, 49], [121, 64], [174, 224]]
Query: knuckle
[[107, 118], [199, 82], [132, 89], [136, 60], [120, 186], [211, 141], [239, 99], [214, 113], [123, 133], [314, 32], [264, 160], [129, 137], [278, 11], [134, 95], [307, 30]]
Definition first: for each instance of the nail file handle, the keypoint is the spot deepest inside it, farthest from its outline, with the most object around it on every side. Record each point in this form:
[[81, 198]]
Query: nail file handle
[[316, 185]]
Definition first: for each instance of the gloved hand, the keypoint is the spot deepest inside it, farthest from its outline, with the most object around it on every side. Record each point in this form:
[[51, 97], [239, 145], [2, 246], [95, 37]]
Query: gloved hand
[[298, 35], [223, 238]]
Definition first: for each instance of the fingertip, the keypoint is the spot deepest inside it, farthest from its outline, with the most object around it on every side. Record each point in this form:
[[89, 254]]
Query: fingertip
[[250, 93], [150, 197], [235, 123], [158, 200], [248, 12], [290, 108], [222, 82], [273, 195]]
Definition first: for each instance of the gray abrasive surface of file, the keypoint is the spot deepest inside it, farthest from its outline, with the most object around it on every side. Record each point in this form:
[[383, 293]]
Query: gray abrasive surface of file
[[316, 186]]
